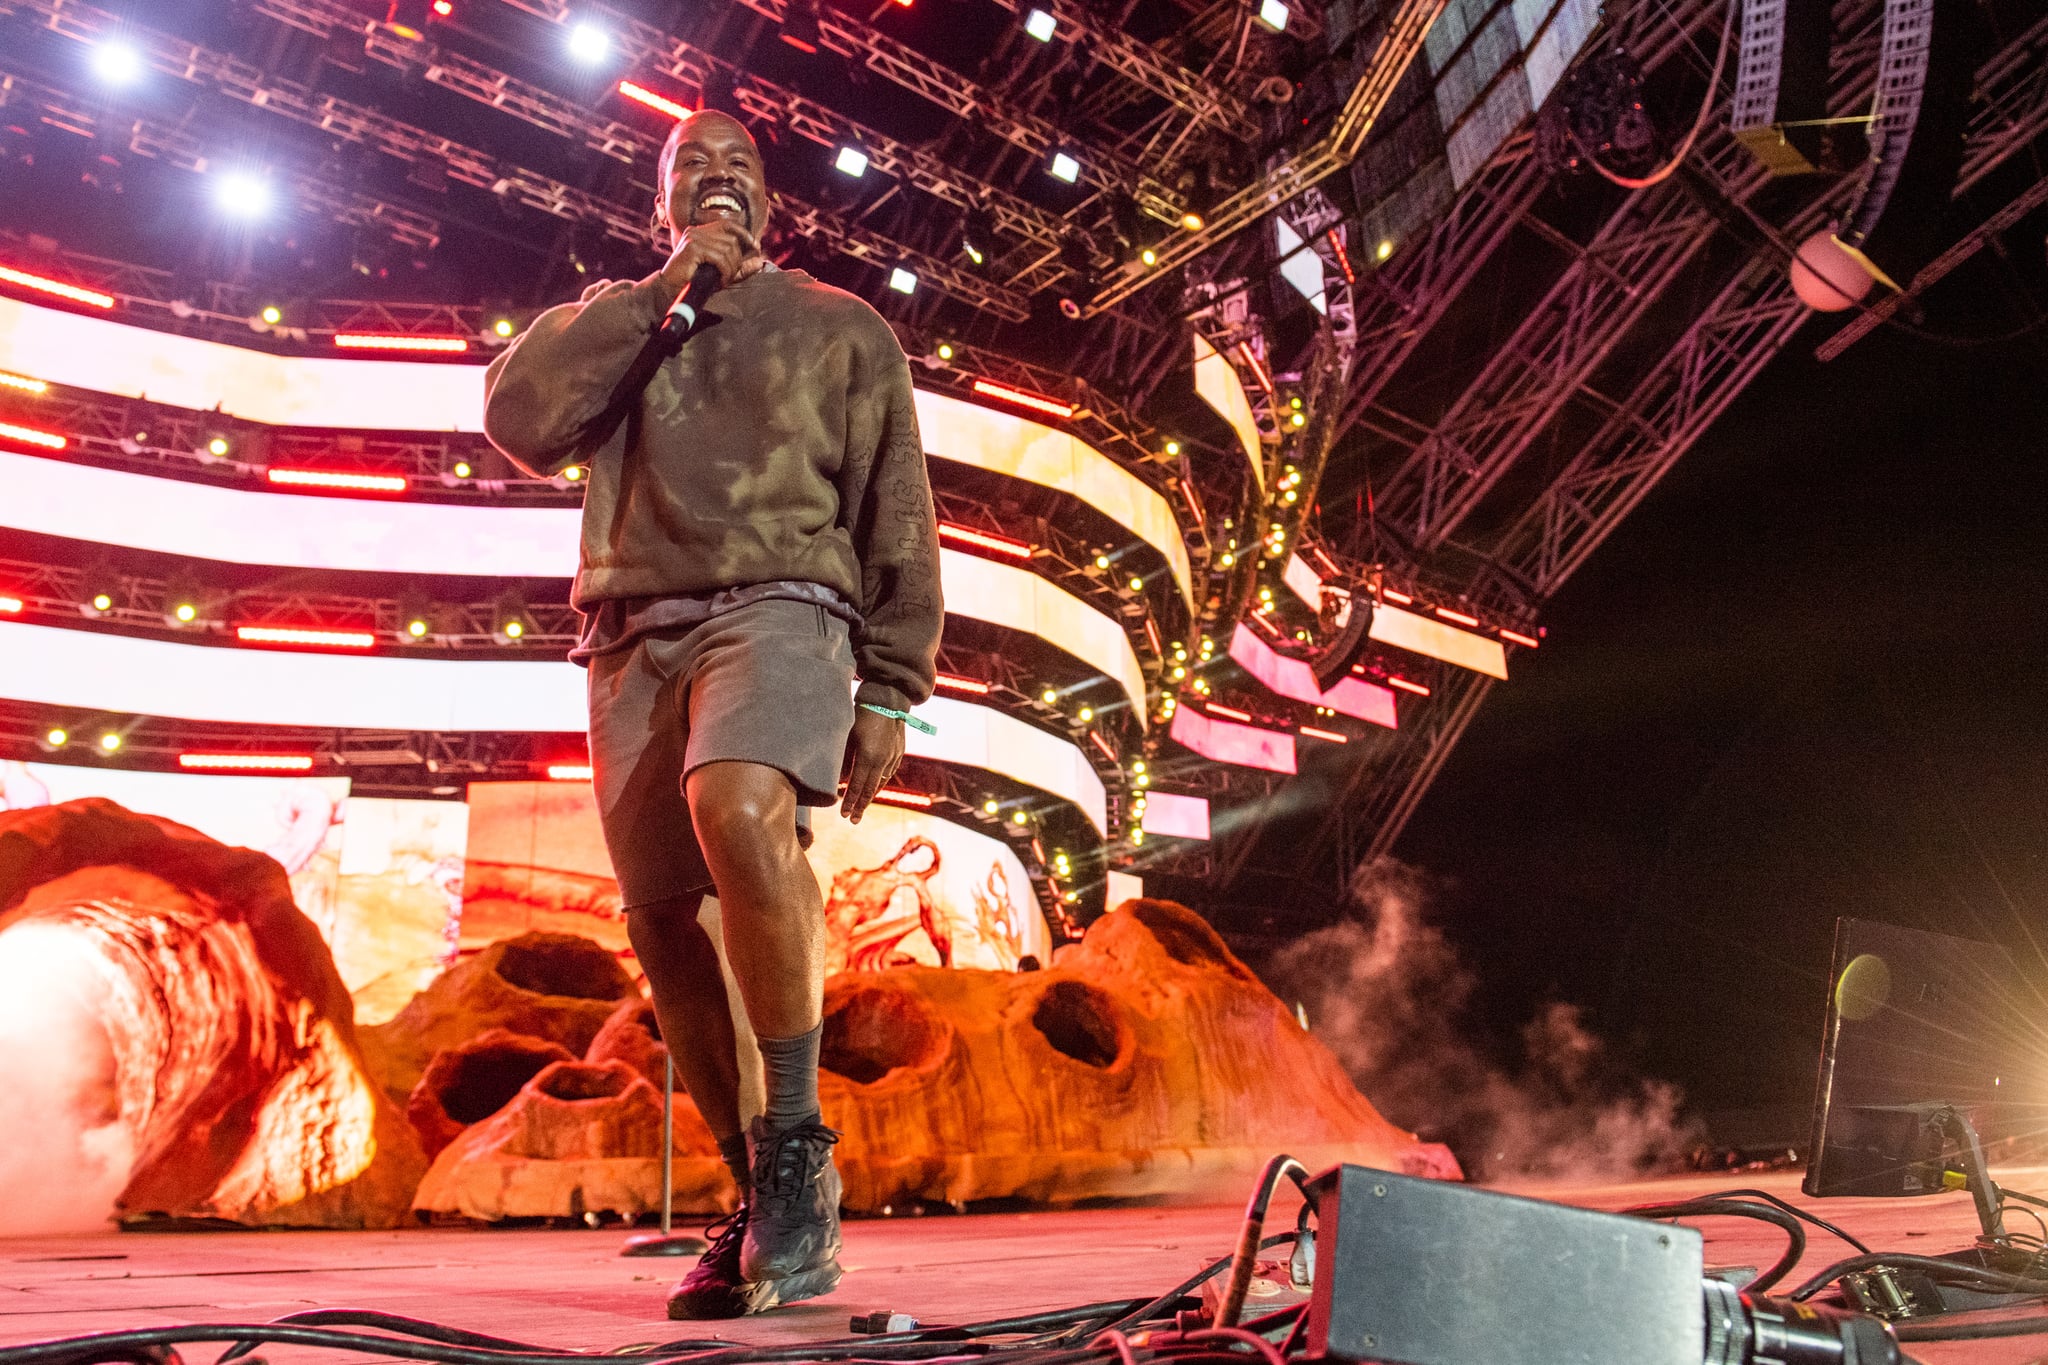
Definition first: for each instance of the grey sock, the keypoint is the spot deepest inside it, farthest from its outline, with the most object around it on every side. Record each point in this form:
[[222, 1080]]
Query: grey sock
[[734, 1150], [792, 1067]]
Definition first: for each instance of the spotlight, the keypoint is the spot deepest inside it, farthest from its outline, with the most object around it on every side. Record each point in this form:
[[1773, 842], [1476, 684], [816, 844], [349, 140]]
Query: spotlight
[[990, 806], [116, 63], [978, 237], [241, 194], [851, 161], [1273, 14], [1018, 817], [461, 469], [573, 474], [800, 26], [1297, 419], [415, 615], [218, 446], [110, 742], [181, 602], [509, 624], [945, 350], [1383, 250], [53, 739], [444, 8], [902, 281], [589, 44], [1040, 25], [1173, 447], [272, 315], [502, 328], [101, 603], [1085, 714], [1064, 167], [1050, 696], [1148, 256]]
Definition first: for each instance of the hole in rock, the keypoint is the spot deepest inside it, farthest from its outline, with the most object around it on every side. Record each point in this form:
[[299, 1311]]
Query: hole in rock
[[1186, 939], [869, 1033], [569, 967], [485, 1080], [578, 1081], [1079, 1021]]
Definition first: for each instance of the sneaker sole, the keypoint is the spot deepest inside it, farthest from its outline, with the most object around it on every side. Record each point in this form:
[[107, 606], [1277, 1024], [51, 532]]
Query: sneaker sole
[[762, 1295]]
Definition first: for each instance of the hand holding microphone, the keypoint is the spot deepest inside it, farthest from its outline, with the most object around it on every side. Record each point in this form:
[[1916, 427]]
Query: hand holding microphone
[[710, 255]]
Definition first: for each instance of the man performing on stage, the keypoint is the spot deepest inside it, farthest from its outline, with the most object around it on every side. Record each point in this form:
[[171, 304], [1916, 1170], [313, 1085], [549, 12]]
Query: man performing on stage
[[757, 532]]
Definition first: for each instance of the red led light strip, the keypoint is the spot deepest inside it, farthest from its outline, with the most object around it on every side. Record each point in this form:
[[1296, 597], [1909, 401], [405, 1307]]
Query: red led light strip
[[1095, 738], [973, 686], [1392, 596], [372, 341], [58, 288], [1516, 637], [320, 478], [314, 639], [29, 436], [1417, 688], [1331, 735], [1023, 398], [1229, 711], [903, 798], [266, 763], [568, 772], [1258, 367], [1460, 617], [24, 383], [1002, 545], [10, 605], [661, 104]]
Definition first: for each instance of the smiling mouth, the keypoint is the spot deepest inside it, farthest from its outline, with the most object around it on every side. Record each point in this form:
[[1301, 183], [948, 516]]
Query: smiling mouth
[[726, 201]]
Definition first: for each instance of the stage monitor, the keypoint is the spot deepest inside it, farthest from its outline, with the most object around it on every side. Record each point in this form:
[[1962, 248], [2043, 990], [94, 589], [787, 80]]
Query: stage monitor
[[1920, 1026]]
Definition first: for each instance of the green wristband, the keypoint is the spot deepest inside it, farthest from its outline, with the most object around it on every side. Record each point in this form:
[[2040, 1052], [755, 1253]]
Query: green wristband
[[903, 716]]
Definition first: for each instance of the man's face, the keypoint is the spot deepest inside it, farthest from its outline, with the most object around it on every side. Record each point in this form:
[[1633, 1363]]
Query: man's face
[[717, 174]]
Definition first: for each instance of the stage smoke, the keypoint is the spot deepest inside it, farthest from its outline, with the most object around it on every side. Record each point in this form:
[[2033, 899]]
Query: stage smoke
[[64, 1151], [1389, 995]]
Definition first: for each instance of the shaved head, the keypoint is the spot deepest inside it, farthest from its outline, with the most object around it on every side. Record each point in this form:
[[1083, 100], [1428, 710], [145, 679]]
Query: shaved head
[[690, 127]]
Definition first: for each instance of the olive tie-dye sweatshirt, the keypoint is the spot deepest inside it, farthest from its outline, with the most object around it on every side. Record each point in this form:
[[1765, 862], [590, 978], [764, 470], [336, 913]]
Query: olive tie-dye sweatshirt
[[780, 443]]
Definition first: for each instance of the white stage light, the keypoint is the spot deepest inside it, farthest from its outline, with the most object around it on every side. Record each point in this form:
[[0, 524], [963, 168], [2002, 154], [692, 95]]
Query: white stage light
[[116, 63], [1040, 25], [902, 281], [851, 161], [588, 43], [241, 194], [1065, 168], [1273, 14]]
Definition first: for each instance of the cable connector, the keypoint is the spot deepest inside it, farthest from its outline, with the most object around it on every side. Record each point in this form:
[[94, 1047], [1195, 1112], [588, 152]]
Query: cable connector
[[881, 1322]]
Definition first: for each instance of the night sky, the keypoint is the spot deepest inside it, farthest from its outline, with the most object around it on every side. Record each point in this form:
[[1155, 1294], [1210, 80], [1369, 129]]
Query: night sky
[[1808, 677]]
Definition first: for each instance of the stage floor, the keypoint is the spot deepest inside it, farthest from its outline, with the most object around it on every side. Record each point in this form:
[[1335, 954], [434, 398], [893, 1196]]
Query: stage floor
[[571, 1289]]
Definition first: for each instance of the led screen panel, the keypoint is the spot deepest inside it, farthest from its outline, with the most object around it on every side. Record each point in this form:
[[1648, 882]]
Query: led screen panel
[[1004, 443], [902, 886], [1294, 679], [1182, 817], [1226, 741], [104, 356], [1217, 384], [1422, 635], [186, 372], [80, 670], [287, 530]]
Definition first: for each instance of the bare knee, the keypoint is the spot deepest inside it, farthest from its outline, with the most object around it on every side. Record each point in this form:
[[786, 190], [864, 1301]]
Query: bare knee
[[745, 818]]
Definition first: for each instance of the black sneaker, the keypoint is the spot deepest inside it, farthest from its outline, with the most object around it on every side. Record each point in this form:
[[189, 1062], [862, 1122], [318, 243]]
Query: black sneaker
[[713, 1288], [791, 1250]]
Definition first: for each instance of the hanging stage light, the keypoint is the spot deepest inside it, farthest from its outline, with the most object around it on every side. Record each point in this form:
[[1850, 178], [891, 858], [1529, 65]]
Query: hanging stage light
[[800, 26], [978, 238]]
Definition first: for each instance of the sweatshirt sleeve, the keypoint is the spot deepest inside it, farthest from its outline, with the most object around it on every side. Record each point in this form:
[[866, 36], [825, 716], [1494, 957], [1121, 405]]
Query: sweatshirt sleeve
[[545, 392], [896, 538]]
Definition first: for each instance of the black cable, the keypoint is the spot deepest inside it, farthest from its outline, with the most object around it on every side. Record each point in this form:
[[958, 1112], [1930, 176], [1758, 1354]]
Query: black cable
[[1248, 1239], [1934, 1329], [94, 1346], [2004, 1193], [429, 1331], [1795, 1235], [1935, 1267], [1193, 1282], [1802, 1214]]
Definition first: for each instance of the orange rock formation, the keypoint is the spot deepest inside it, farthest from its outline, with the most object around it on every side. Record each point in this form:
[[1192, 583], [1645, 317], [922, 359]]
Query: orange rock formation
[[230, 1062]]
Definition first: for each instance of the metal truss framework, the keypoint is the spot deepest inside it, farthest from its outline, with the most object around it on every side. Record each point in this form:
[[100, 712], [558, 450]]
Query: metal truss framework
[[1558, 348]]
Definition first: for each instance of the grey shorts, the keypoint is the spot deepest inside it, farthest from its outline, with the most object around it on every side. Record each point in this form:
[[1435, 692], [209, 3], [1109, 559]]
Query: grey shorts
[[770, 682]]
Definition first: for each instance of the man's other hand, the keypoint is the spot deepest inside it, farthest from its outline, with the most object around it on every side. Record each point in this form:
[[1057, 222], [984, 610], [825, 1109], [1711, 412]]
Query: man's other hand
[[720, 242], [872, 752]]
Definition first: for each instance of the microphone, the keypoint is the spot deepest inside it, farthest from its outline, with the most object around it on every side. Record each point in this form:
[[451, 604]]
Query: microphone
[[682, 314]]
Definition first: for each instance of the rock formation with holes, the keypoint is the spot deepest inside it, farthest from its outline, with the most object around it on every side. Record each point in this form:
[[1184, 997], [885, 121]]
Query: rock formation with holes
[[1147, 1060], [555, 987], [170, 1021]]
